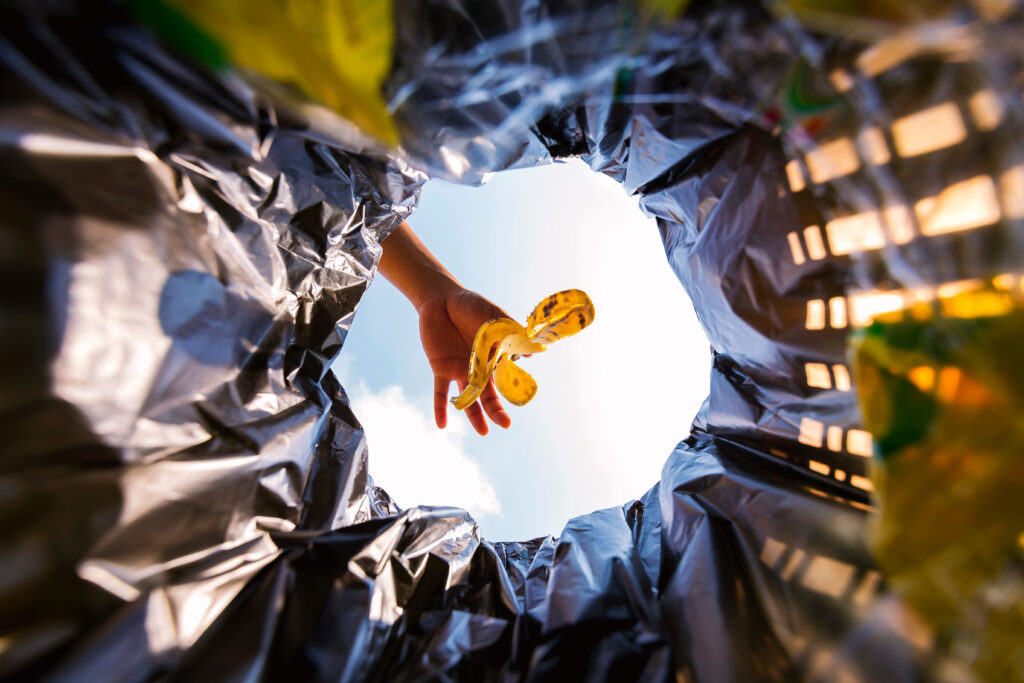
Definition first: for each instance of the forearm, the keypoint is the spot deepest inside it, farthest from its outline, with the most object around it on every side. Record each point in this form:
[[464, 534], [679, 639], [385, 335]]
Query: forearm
[[412, 268]]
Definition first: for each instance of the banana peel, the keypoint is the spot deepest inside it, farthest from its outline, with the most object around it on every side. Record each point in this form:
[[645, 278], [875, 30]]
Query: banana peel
[[560, 315]]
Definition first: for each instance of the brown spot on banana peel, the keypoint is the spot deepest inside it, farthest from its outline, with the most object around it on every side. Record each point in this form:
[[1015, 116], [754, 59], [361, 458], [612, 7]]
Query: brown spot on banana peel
[[514, 383], [560, 315], [570, 323], [508, 335], [558, 306]]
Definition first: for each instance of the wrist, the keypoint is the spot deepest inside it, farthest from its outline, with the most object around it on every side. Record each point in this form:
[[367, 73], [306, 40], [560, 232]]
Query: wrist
[[416, 272], [432, 287]]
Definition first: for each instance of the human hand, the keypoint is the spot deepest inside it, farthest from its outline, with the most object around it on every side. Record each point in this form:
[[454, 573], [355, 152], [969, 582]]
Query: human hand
[[448, 323]]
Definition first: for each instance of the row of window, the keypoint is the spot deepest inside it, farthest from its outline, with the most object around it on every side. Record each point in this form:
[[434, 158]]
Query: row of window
[[921, 132], [965, 205], [819, 573], [860, 308], [821, 376]]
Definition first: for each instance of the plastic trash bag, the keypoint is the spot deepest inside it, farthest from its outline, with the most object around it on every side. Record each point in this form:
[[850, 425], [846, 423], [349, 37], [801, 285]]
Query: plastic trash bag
[[185, 244]]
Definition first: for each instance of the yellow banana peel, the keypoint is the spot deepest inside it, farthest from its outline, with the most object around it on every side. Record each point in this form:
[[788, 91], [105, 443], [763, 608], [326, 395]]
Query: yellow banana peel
[[561, 315]]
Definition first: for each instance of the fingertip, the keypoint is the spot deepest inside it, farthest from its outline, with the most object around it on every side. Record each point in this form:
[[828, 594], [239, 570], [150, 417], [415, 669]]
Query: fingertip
[[475, 415], [441, 412]]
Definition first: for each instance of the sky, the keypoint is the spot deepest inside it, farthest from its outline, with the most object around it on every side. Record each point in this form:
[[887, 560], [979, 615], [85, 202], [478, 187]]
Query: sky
[[612, 401]]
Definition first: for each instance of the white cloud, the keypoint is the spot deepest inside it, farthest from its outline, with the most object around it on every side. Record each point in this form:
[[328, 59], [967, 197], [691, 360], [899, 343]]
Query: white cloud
[[414, 461]]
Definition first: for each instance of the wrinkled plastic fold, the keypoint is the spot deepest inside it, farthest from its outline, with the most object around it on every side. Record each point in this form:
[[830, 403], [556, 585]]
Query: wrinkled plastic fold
[[184, 484]]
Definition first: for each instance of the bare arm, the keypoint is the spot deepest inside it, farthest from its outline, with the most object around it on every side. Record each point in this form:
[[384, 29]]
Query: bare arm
[[449, 317], [409, 266]]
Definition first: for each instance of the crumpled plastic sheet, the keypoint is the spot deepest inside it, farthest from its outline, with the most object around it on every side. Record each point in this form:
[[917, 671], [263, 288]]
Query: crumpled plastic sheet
[[184, 486]]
